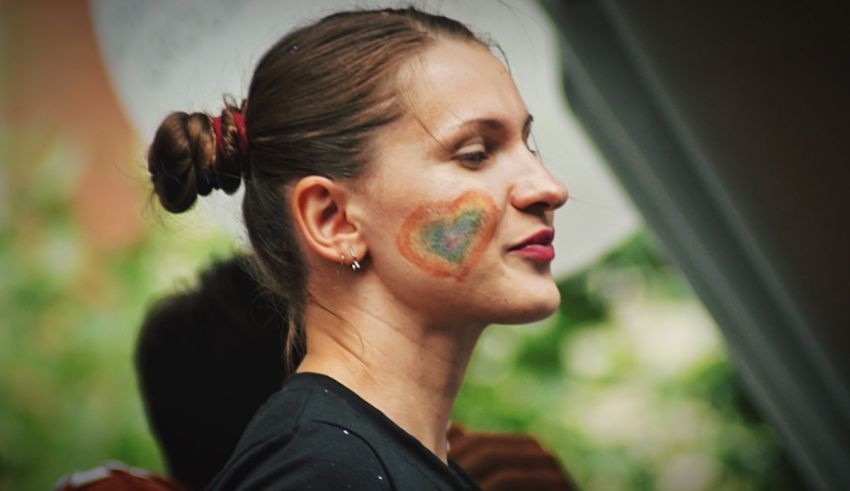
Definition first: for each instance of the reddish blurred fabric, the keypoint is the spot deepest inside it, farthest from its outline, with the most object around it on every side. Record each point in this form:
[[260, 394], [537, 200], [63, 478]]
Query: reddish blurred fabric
[[506, 462], [115, 476]]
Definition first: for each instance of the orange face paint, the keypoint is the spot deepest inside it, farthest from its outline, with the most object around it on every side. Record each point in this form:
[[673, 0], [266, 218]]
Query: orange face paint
[[447, 238]]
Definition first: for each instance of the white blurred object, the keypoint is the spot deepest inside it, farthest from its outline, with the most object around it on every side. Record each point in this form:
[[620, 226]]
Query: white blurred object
[[168, 56]]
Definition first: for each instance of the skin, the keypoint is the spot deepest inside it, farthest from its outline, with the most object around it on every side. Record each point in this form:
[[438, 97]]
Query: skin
[[447, 238], [400, 331]]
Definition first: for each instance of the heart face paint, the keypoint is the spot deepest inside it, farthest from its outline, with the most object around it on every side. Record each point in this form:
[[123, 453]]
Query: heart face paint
[[446, 238]]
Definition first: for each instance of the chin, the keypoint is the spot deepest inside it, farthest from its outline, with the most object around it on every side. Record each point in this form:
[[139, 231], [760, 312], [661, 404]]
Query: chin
[[531, 308]]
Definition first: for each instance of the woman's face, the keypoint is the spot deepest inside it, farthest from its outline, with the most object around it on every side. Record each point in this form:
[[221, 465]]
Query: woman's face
[[455, 192]]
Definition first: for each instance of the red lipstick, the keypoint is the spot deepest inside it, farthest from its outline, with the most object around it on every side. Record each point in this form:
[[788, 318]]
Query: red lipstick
[[537, 246]]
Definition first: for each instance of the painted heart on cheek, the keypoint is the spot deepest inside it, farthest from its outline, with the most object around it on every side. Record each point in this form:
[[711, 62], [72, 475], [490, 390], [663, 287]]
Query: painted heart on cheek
[[447, 238]]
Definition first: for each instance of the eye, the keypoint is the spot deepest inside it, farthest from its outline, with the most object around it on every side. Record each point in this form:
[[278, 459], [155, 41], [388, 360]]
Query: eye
[[473, 153], [528, 137], [474, 158]]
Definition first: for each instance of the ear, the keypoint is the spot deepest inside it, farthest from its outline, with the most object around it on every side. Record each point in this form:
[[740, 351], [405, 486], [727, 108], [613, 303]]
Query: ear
[[318, 207]]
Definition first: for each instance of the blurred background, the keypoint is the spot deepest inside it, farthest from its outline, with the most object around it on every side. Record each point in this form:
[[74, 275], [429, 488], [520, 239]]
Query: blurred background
[[630, 383]]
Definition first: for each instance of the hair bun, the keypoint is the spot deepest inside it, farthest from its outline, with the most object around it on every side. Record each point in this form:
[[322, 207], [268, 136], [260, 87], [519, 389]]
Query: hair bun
[[192, 154]]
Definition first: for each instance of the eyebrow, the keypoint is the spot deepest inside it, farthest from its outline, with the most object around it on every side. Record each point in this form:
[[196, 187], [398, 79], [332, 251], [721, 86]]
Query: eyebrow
[[495, 124]]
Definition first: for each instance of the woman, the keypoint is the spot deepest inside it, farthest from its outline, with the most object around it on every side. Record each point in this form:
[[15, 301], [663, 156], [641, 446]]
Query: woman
[[395, 207]]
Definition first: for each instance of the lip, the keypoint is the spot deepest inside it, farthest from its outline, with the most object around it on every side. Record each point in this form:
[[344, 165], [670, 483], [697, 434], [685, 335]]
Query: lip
[[537, 246]]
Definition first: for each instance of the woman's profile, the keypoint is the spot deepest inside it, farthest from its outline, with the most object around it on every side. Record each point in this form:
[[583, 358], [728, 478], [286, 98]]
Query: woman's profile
[[395, 207]]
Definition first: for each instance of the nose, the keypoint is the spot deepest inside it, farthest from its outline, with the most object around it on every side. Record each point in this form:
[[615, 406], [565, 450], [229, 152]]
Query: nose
[[538, 188]]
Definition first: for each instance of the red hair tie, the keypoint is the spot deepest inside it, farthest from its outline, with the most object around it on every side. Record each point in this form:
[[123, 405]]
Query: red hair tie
[[239, 121]]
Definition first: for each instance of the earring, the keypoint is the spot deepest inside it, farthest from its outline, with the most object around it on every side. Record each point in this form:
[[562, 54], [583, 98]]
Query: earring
[[354, 265]]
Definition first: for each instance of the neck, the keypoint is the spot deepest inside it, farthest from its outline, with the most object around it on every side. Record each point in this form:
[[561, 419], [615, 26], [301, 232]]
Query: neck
[[410, 372]]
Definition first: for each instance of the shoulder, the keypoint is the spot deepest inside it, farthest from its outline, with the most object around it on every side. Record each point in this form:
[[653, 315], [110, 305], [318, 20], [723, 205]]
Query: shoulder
[[315, 455]]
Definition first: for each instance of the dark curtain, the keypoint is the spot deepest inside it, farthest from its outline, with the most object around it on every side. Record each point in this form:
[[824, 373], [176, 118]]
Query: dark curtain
[[727, 123]]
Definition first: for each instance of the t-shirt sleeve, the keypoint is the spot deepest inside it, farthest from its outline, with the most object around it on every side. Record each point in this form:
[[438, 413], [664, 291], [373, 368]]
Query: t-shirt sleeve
[[316, 456]]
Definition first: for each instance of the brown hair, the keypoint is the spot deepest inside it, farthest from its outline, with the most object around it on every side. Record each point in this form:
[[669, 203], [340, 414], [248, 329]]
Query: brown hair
[[315, 100]]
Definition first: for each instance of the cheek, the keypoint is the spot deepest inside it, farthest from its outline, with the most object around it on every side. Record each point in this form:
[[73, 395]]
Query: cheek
[[446, 239]]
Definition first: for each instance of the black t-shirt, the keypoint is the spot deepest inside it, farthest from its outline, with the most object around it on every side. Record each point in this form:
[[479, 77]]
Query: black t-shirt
[[316, 434]]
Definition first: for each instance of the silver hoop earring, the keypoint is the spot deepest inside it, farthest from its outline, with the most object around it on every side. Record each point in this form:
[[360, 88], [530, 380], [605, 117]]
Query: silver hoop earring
[[354, 265]]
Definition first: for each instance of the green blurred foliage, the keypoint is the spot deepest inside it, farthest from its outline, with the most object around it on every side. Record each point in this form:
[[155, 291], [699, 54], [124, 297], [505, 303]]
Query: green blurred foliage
[[628, 383], [68, 398]]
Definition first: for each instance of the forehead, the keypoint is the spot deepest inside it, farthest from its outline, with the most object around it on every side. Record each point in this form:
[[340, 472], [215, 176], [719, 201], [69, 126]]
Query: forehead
[[452, 82]]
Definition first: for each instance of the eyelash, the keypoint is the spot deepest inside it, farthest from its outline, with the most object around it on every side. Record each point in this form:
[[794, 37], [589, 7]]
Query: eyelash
[[480, 156], [473, 157], [531, 149]]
